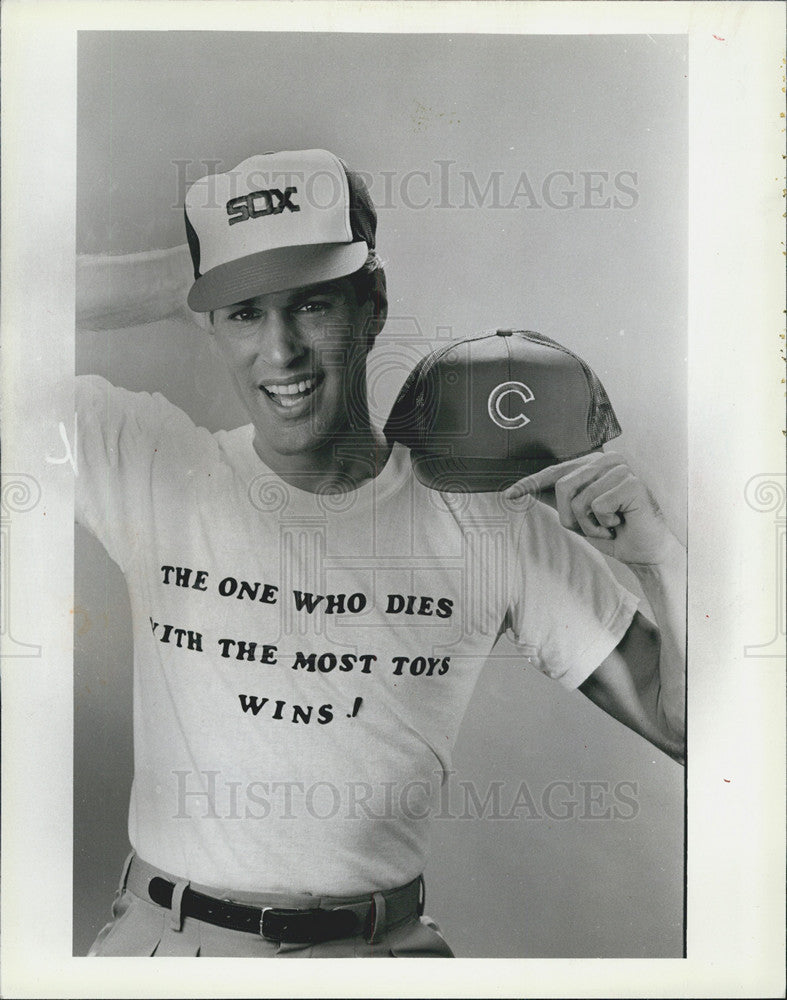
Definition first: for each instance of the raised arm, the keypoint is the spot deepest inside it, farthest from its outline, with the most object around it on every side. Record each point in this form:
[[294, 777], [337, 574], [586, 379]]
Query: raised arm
[[642, 682]]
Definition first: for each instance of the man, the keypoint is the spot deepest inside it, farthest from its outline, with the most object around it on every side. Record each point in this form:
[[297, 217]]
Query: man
[[310, 619]]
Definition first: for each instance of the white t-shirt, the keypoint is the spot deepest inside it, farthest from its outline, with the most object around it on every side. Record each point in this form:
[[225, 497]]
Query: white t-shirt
[[302, 662]]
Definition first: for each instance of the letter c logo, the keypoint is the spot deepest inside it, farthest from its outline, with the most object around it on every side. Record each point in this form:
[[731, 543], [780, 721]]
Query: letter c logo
[[496, 397]]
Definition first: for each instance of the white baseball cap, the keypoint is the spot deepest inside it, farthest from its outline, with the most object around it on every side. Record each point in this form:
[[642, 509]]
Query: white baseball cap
[[276, 221]]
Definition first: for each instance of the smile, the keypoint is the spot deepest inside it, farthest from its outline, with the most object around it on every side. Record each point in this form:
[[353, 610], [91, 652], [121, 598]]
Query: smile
[[289, 394]]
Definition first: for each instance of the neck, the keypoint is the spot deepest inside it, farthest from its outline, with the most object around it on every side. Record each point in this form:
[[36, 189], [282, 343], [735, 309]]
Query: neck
[[342, 464]]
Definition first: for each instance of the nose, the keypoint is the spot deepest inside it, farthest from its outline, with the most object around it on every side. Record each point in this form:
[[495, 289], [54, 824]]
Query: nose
[[280, 343]]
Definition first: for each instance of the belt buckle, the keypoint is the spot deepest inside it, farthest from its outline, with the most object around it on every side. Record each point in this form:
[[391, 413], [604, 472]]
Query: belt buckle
[[265, 909], [286, 915]]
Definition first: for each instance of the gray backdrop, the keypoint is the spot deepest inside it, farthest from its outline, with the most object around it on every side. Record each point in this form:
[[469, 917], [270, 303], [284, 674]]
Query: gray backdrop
[[551, 194]]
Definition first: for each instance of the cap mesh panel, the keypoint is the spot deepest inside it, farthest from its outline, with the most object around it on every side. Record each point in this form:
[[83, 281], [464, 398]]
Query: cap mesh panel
[[602, 423]]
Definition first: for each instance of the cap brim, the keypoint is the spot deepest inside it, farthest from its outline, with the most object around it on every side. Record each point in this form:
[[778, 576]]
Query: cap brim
[[478, 475], [274, 271], [465, 475]]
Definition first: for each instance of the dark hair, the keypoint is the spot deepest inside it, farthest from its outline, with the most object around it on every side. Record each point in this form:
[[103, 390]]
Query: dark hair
[[369, 284]]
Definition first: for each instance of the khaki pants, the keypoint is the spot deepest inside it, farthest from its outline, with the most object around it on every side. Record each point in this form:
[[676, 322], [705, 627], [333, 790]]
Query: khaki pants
[[142, 928]]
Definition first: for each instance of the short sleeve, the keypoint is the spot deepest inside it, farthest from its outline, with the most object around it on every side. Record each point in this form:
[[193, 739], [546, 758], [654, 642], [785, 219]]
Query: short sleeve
[[566, 604], [118, 438]]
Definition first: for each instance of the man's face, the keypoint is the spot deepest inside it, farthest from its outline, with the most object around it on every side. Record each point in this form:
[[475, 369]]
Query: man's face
[[297, 359]]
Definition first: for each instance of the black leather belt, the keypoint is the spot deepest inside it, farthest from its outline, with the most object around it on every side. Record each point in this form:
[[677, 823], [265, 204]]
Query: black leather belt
[[290, 926], [279, 924]]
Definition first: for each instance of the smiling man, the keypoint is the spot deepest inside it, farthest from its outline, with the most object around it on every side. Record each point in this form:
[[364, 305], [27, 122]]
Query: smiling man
[[306, 389], [310, 618]]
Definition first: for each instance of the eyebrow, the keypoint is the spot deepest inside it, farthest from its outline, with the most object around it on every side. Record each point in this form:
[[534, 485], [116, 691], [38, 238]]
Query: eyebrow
[[298, 294], [322, 288]]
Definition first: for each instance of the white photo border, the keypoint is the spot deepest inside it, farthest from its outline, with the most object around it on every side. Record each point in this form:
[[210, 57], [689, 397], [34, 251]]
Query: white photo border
[[735, 935]]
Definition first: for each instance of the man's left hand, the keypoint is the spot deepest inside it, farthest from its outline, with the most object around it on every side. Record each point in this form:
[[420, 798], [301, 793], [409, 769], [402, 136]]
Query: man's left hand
[[599, 497]]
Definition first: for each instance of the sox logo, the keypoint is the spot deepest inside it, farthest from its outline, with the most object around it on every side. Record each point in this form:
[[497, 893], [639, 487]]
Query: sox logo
[[243, 208], [496, 397]]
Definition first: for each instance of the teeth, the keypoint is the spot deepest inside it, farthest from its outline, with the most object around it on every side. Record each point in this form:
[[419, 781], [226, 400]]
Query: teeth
[[281, 393], [290, 389]]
